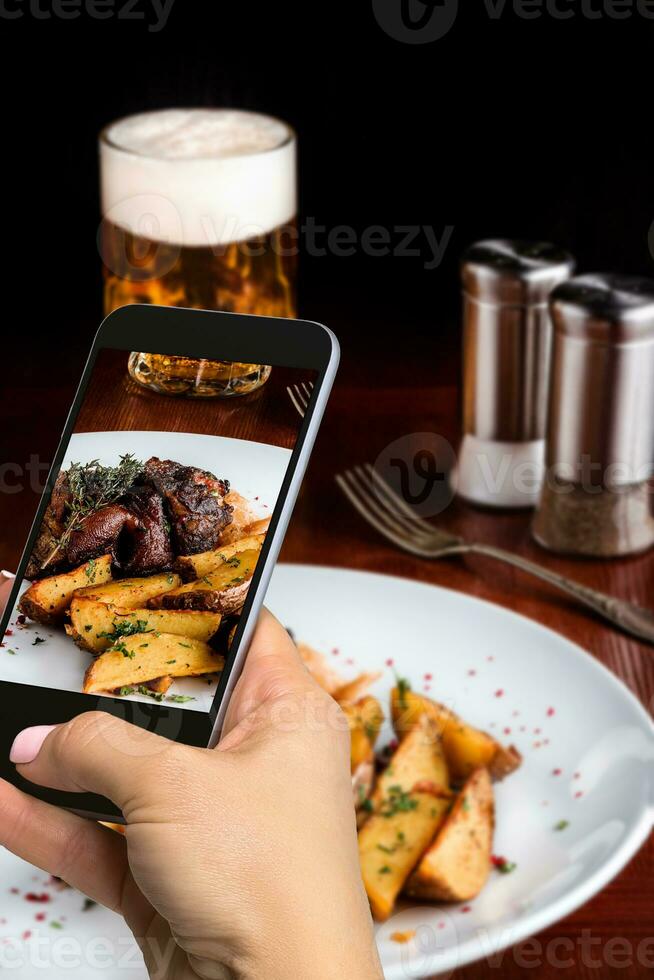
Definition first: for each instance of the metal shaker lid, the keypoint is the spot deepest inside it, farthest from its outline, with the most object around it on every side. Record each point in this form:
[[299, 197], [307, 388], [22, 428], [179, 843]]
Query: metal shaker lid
[[501, 271], [606, 307]]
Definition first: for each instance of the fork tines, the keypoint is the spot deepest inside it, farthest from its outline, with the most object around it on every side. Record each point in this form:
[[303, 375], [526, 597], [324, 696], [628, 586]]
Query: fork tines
[[300, 395], [383, 509]]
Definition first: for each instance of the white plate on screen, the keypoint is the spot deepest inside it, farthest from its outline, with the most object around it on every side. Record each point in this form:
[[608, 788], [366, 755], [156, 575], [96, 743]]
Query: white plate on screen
[[588, 751], [256, 470]]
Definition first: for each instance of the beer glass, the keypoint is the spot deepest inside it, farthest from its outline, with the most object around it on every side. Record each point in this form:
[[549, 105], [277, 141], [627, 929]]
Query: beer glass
[[199, 210]]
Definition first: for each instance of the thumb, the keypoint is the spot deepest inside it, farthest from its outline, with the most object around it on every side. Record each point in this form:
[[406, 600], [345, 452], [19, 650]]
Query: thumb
[[93, 753], [273, 669]]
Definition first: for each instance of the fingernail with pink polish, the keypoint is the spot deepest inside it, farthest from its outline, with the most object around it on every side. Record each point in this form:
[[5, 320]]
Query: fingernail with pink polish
[[27, 744], [9, 575]]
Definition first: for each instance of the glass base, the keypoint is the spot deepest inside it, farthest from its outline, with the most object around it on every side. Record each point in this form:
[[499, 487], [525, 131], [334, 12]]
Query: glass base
[[196, 379]]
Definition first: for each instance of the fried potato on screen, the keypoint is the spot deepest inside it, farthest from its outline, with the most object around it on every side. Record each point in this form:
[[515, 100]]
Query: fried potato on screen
[[47, 600], [131, 593], [192, 567], [224, 590], [147, 656], [95, 626]]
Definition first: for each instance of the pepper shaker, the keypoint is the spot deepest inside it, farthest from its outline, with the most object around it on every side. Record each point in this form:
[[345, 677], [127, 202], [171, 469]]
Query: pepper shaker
[[596, 498], [507, 336]]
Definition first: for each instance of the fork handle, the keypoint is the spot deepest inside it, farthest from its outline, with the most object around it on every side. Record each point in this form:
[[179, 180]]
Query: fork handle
[[627, 616]]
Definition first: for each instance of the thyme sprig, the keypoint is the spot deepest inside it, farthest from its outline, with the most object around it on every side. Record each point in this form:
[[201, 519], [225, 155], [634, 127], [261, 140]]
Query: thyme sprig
[[93, 486]]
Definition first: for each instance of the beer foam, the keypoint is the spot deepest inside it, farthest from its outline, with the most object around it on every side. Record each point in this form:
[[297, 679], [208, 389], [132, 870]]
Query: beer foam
[[198, 177]]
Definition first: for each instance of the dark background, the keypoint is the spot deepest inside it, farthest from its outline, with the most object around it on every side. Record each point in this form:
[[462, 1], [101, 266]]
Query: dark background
[[534, 128]]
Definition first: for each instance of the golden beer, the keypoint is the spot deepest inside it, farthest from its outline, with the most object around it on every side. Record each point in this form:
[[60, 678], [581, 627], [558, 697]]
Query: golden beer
[[199, 211]]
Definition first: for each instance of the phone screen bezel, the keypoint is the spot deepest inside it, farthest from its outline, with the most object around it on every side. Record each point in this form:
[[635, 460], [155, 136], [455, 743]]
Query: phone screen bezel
[[193, 333]]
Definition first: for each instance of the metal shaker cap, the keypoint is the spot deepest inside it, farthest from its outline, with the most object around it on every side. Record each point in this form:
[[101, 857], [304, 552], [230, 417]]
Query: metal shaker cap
[[606, 307], [502, 271]]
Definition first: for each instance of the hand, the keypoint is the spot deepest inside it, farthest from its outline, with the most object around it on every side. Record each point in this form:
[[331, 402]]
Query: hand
[[239, 862]]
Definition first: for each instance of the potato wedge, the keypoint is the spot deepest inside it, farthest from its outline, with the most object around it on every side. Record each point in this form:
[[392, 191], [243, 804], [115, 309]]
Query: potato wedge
[[160, 685], [147, 656], [131, 593], [319, 668], [466, 748], [224, 590], [408, 805], [365, 719], [457, 865], [96, 625], [352, 691], [47, 600], [245, 519], [192, 567]]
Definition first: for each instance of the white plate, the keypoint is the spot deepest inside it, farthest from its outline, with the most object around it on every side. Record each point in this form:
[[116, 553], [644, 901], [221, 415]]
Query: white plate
[[254, 469], [588, 747], [597, 730]]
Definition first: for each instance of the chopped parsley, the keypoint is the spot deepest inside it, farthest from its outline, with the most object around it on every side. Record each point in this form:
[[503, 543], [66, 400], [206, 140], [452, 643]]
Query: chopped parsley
[[403, 687], [148, 693], [387, 850], [121, 648], [465, 804], [89, 571], [397, 801], [562, 825], [385, 870], [170, 578], [37, 640], [126, 628], [179, 699], [171, 661], [187, 646]]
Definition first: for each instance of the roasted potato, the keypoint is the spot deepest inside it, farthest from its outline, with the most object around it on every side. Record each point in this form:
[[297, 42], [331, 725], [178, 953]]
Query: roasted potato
[[466, 748], [408, 805], [245, 520], [364, 719], [318, 666], [456, 866], [353, 691], [192, 567], [160, 685], [147, 656], [95, 626], [224, 590], [47, 600], [131, 593]]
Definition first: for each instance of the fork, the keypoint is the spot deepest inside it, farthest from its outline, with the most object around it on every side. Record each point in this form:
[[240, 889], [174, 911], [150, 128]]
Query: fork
[[300, 395], [392, 517]]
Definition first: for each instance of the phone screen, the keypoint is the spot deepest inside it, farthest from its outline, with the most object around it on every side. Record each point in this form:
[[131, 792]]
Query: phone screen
[[137, 578]]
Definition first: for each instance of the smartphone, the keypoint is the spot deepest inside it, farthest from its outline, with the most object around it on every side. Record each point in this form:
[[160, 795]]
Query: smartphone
[[158, 530]]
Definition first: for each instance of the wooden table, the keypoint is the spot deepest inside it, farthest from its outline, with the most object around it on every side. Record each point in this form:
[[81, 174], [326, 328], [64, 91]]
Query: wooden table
[[378, 399]]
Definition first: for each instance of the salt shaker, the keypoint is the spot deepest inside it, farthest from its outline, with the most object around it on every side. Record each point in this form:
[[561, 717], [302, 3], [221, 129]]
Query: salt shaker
[[507, 335], [596, 498]]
